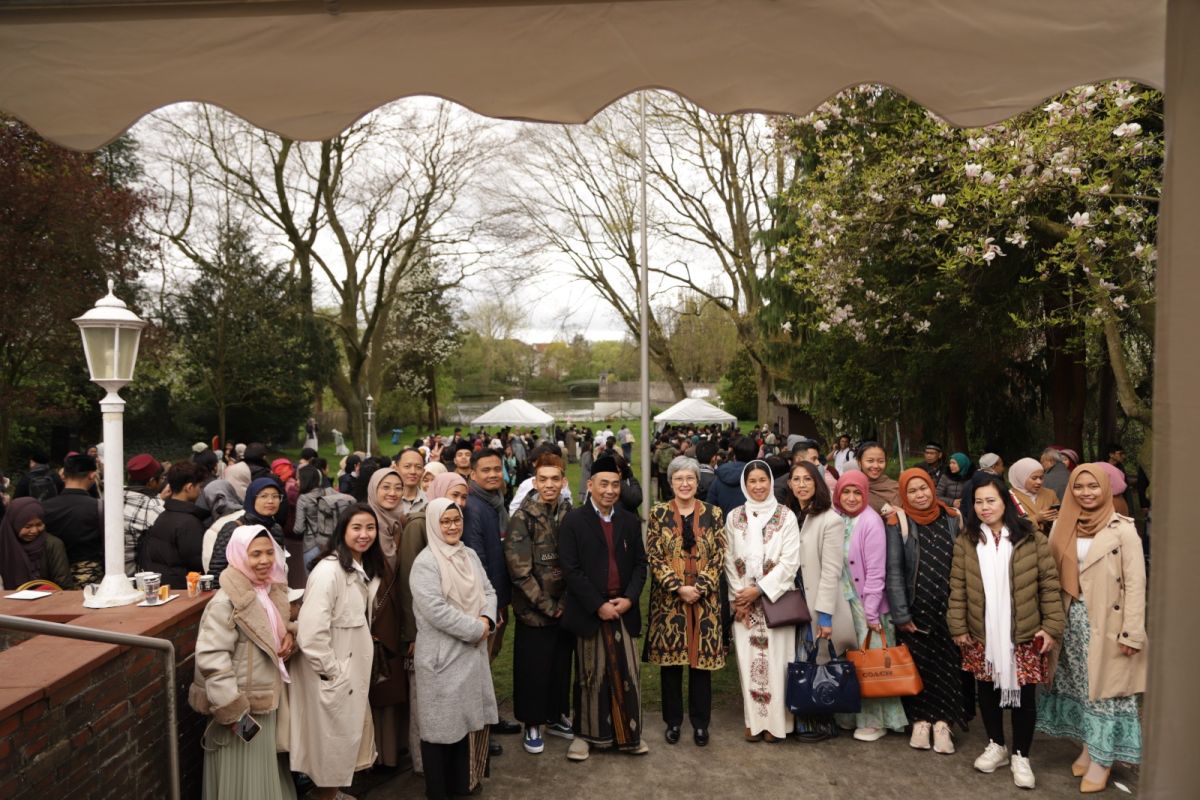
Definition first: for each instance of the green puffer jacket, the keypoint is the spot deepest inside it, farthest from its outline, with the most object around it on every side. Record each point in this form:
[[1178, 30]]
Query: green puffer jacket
[[1036, 594]]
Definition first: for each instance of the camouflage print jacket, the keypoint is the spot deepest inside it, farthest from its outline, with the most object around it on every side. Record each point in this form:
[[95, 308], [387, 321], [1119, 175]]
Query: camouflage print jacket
[[531, 553]]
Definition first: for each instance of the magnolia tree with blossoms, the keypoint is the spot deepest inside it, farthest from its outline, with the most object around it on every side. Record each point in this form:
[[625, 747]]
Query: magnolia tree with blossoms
[[982, 283]]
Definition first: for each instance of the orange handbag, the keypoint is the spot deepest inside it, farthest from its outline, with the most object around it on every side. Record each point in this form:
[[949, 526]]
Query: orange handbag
[[887, 672]]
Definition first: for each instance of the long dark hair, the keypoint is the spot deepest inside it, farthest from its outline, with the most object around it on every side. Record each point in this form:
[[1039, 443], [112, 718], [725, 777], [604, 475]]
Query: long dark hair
[[821, 501], [1018, 526], [372, 560]]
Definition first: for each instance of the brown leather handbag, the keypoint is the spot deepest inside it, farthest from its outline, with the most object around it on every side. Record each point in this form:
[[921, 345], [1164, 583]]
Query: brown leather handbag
[[789, 609], [886, 672]]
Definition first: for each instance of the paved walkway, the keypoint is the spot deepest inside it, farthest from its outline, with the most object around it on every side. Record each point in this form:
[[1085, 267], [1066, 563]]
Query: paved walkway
[[730, 768]]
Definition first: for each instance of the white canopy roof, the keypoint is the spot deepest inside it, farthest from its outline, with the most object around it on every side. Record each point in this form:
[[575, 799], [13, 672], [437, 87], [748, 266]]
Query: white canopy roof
[[82, 71], [515, 412], [693, 409]]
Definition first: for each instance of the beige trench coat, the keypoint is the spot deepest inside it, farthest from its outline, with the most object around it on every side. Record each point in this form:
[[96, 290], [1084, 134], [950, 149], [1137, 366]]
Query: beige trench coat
[[331, 731], [822, 558], [1112, 580]]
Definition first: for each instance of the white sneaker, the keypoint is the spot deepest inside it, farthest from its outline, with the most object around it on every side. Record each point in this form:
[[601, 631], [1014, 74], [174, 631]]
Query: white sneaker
[[920, 736], [994, 755], [1022, 772], [869, 734], [943, 742], [579, 750]]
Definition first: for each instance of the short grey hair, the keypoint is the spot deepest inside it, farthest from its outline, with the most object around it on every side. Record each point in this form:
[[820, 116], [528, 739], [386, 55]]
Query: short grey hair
[[683, 464], [1050, 452]]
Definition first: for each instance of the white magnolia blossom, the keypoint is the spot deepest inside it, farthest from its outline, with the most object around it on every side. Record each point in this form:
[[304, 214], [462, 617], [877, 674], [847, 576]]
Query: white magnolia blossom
[[1105, 189], [1071, 172], [988, 178], [944, 224], [1119, 211], [1099, 243], [1127, 129], [922, 326], [787, 326], [978, 144], [1080, 219], [1125, 101], [1017, 238], [1055, 107], [991, 250], [820, 126], [937, 200], [973, 170], [1120, 303]]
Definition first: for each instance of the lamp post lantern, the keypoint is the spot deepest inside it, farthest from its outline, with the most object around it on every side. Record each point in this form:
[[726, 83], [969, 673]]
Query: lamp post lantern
[[111, 333], [370, 423]]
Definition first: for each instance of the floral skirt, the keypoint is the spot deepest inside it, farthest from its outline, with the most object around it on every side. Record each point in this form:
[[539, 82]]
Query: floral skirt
[[1110, 728], [1031, 665]]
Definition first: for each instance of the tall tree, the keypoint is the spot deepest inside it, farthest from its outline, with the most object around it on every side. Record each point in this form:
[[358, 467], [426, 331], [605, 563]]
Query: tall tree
[[245, 341], [68, 221], [926, 261], [357, 212], [580, 199]]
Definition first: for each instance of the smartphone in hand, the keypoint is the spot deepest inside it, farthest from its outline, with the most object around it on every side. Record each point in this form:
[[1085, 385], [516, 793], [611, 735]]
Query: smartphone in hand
[[246, 728]]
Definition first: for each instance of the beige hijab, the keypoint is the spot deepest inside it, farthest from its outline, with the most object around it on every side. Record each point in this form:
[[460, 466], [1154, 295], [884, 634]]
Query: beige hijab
[[1074, 522], [391, 523], [460, 581]]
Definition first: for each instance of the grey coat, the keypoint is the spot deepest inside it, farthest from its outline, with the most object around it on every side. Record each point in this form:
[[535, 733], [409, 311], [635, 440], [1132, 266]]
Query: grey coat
[[453, 675]]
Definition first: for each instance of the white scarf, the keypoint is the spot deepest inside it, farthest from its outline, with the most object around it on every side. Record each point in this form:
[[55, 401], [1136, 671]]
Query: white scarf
[[994, 567], [758, 514]]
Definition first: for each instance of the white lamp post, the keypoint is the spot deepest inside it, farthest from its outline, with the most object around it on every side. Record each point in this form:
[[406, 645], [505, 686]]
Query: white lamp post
[[111, 333], [370, 422]]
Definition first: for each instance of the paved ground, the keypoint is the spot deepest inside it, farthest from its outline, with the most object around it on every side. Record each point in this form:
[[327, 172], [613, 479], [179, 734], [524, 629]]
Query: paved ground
[[730, 768]]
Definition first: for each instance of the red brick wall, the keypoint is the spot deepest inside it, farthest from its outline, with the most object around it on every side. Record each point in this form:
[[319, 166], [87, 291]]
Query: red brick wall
[[103, 733]]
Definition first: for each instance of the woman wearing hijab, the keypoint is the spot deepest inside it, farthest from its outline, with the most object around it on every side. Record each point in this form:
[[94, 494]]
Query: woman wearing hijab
[[389, 690], [1038, 502], [884, 491], [27, 551], [864, 573], [822, 555], [432, 470], [332, 736], [920, 554], [1101, 672], [953, 484], [448, 485], [264, 499], [241, 675], [761, 560], [1118, 485], [1005, 614], [455, 609]]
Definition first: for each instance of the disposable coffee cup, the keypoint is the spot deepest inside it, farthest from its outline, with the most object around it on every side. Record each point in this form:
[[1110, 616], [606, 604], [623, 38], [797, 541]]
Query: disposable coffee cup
[[139, 580], [152, 581]]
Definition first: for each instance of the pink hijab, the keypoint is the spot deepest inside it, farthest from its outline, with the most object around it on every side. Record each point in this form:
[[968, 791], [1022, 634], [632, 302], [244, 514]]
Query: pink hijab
[[236, 555], [1116, 477], [444, 483], [852, 477]]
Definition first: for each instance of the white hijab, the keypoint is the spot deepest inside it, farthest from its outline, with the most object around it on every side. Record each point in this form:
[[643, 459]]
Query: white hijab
[[758, 513]]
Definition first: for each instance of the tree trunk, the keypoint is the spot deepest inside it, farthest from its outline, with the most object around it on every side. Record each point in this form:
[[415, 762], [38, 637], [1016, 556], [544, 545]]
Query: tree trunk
[[1068, 390], [762, 380], [1106, 423], [432, 399], [956, 419]]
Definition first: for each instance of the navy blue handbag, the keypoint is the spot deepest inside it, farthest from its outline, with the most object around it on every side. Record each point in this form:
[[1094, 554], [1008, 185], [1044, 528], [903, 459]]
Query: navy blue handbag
[[829, 688]]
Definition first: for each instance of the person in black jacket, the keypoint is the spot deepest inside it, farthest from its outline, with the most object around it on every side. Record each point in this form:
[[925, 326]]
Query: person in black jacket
[[74, 516], [173, 545], [604, 560], [484, 526]]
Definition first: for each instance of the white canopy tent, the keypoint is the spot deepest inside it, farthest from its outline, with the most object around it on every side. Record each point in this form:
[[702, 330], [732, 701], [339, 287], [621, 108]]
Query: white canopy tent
[[516, 412], [82, 71], [693, 409]]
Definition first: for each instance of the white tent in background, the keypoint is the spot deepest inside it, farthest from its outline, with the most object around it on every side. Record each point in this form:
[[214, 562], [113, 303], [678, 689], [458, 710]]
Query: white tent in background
[[693, 409], [517, 413]]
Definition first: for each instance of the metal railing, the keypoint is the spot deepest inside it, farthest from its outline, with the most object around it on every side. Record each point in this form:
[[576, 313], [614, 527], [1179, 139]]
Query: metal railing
[[45, 628]]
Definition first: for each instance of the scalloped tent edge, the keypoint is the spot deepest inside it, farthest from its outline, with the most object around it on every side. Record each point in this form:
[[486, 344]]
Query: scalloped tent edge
[[516, 412], [693, 409], [80, 77]]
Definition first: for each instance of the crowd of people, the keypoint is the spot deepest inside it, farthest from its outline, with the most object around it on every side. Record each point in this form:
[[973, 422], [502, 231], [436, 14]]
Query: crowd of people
[[358, 615]]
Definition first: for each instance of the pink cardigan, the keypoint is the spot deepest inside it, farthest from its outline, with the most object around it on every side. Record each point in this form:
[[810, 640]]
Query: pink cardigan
[[868, 563]]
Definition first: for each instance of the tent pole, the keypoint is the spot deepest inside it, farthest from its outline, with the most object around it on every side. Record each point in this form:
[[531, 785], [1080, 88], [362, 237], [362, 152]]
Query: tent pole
[[1172, 702], [643, 321]]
